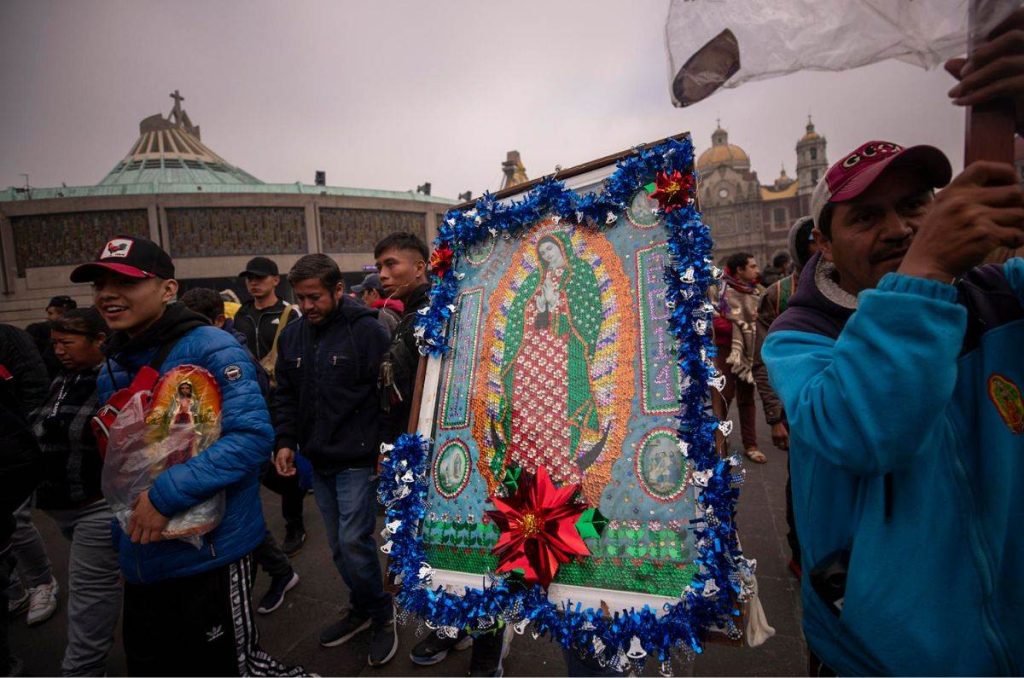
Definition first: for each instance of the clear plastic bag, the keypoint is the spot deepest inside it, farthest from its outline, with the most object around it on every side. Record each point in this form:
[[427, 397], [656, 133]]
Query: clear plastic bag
[[711, 42], [156, 430]]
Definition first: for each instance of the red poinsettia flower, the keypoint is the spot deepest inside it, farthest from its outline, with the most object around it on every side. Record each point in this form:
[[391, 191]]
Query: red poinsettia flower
[[441, 260], [672, 190], [538, 528]]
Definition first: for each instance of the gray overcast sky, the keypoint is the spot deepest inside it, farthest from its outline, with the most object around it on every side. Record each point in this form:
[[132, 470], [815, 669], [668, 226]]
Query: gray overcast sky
[[391, 94]]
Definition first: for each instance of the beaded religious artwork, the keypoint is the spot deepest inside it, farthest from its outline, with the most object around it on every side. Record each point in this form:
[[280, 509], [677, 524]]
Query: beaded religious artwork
[[571, 341]]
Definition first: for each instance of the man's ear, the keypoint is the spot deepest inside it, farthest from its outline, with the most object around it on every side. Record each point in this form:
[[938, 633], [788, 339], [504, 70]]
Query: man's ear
[[170, 291], [421, 268], [219, 321], [823, 243], [339, 291]]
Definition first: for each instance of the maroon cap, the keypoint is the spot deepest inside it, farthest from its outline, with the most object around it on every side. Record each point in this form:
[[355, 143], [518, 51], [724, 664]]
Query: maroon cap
[[128, 256], [857, 171]]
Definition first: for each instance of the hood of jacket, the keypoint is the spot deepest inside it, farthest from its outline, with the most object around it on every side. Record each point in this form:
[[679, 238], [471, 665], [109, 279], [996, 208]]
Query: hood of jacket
[[348, 310], [796, 252], [819, 305], [392, 304], [176, 322]]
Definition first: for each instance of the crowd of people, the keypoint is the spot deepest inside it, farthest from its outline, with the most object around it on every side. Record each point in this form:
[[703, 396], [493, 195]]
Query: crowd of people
[[309, 391], [886, 353]]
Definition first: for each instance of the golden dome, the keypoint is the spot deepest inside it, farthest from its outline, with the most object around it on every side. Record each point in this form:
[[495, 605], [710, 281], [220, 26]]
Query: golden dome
[[810, 135], [723, 153]]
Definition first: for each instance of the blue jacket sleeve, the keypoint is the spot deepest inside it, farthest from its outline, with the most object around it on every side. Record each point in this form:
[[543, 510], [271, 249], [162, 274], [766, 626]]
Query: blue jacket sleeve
[[863, 400], [246, 436], [1014, 272]]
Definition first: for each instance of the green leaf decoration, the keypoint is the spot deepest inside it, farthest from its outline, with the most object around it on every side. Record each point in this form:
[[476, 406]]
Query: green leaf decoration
[[650, 187], [591, 524], [510, 479]]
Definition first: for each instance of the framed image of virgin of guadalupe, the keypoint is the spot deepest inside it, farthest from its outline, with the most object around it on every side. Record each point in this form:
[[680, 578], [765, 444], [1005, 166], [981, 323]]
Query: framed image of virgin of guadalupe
[[563, 475]]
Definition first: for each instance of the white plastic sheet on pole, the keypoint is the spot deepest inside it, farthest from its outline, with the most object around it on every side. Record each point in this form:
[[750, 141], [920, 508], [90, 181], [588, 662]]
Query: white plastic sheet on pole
[[711, 42]]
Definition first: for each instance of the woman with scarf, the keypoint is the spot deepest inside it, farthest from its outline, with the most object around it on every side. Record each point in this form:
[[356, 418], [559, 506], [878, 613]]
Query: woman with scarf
[[737, 314], [70, 491]]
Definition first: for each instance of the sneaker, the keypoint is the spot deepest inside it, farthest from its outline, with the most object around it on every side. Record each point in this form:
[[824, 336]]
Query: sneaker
[[435, 647], [338, 632], [383, 643], [275, 595], [42, 602], [489, 651], [294, 538], [17, 606]]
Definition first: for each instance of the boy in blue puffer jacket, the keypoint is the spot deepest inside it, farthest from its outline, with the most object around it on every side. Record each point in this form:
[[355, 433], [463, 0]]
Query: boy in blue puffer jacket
[[187, 611]]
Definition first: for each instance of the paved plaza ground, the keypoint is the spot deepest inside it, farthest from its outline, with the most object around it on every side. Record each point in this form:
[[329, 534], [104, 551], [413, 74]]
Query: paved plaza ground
[[290, 633]]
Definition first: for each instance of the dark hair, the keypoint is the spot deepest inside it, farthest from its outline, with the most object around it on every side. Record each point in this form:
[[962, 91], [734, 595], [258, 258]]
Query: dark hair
[[402, 241], [204, 301], [824, 221], [86, 322], [63, 302], [316, 267], [803, 241], [737, 261], [780, 259]]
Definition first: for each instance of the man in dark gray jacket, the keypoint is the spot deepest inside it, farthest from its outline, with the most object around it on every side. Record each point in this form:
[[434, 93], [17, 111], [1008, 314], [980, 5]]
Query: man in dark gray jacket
[[326, 404]]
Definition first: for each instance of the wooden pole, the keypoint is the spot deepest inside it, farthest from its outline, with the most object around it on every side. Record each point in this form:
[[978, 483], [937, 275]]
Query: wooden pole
[[417, 395], [990, 127]]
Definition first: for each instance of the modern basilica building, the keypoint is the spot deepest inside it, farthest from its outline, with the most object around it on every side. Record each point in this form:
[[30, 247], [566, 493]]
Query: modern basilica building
[[209, 214]]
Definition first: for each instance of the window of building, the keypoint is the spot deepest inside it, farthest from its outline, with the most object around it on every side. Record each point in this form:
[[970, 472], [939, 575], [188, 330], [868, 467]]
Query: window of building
[[814, 176], [814, 153], [779, 215]]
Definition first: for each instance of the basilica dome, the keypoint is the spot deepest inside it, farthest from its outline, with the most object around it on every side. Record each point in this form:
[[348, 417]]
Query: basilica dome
[[722, 153]]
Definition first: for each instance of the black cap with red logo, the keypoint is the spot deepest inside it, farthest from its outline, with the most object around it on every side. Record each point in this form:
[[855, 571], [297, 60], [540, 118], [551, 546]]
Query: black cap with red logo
[[128, 256]]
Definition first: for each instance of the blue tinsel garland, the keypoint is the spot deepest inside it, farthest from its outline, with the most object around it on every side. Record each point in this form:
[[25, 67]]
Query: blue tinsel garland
[[629, 635]]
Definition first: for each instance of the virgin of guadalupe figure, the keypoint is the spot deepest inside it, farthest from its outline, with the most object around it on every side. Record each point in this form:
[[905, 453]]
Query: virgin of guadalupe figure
[[546, 411], [183, 419]]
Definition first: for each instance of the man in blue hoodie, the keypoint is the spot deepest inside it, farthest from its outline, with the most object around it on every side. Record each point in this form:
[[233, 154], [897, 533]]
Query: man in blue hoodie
[[326, 404], [187, 610], [899, 366]]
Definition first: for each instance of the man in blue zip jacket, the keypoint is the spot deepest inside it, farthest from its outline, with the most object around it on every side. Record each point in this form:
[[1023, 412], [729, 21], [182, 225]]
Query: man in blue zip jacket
[[899, 364], [326, 404], [187, 611]]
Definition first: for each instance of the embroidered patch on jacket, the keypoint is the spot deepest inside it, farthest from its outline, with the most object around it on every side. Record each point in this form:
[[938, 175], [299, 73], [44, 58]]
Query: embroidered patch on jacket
[[1006, 396], [232, 372]]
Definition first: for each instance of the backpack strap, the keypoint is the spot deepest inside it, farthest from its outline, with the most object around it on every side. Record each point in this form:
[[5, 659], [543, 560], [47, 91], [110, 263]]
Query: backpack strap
[[280, 327]]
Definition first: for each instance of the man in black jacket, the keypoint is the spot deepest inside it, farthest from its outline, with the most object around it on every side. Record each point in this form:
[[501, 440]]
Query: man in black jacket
[[326, 405], [402, 261], [259, 321]]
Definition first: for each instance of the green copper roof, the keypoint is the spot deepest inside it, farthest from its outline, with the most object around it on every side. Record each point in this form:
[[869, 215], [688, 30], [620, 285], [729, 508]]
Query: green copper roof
[[168, 158], [169, 151]]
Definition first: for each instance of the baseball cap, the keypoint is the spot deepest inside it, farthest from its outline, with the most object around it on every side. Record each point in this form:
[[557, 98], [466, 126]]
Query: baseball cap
[[129, 256], [259, 267], [370, 282], [857, 171]]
